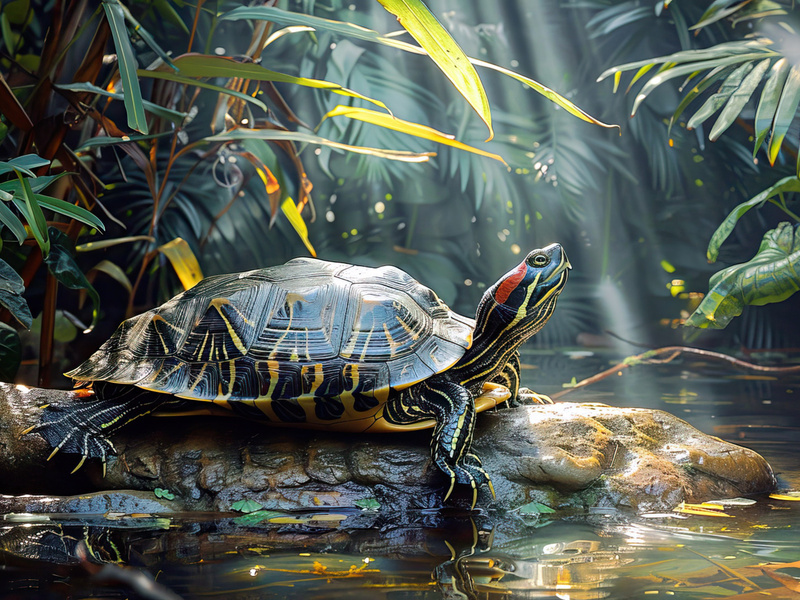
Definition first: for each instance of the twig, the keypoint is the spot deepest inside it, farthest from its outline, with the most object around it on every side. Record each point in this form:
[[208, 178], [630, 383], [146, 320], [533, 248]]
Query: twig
[[650, 357]]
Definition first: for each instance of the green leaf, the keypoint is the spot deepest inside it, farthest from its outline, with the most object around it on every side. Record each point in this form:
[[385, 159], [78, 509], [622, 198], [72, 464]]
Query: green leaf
[[61, 263], [10, 353], [256, 517], [772, 275], [718, 10], [174, 116], [696, 90], [127, 66], [164, 493], [415, 17], [10, 220], [535, 508], [784, 114], [283, 17], [787, 184], [11, 289], [241, 133], [246, 506], [169, 76], [202, 65], [739, 99], [33, 214], [24, 163], [770, 95], [368, 504], [726, 90], [67, 209], [146, 37]]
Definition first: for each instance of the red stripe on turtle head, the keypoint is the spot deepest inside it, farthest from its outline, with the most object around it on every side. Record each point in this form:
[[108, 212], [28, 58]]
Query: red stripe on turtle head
[[510, 283]]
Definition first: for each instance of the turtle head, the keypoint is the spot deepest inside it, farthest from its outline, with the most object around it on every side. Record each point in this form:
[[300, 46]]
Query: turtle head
[[526, 295]]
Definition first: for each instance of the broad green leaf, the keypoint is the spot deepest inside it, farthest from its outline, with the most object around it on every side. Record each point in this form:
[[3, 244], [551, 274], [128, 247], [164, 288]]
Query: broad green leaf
[[11, 289], [241, 133], [203, 65], [770, 95], [784, 114], [33, 214], [415, 17], [67, 209], [289, 208], [170, 76], [739, 99], [283, 17], [183, 261], [726, 90], [24, 163], [535, 508], [772, 275], [174, 116], [113, 271], [163, 493], [787, 184], [127, 66], [246, 506], [10, 353], [368, 504], [258, 516], [415, 129], [61, 263], [10, 220]]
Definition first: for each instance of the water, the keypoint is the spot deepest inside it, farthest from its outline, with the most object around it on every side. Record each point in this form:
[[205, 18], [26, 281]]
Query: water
[[752, 552]]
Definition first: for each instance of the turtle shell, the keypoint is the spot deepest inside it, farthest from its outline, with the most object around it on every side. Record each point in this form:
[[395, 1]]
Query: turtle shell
[[307, 341]]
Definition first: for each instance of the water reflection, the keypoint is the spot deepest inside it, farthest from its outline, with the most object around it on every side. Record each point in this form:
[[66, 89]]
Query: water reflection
[[748, 552]]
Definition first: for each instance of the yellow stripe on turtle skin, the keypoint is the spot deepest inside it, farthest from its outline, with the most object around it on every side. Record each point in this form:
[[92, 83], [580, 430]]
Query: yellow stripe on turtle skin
[[218, 303]]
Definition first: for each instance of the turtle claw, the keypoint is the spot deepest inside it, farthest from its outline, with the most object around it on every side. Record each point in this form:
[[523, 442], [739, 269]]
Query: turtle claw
[[467, 472]]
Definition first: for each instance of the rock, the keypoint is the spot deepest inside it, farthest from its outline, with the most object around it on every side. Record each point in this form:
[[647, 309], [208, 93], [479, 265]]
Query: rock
[[562, 455]]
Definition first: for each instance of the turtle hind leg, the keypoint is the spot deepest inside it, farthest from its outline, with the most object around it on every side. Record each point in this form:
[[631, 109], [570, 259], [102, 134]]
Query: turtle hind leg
[[83, 427]]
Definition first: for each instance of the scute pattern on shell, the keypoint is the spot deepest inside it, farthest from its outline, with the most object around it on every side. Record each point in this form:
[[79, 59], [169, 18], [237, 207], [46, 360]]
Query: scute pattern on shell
[[306, 329]]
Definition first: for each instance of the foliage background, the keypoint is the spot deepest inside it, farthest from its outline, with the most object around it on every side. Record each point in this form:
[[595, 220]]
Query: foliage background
[[634, 212]]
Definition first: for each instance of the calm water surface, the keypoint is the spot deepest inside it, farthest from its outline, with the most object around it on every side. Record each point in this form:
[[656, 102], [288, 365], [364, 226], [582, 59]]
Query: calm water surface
[[752, 553]]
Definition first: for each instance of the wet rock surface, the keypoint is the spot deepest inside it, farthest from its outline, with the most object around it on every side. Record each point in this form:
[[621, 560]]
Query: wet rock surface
[[562, 455]]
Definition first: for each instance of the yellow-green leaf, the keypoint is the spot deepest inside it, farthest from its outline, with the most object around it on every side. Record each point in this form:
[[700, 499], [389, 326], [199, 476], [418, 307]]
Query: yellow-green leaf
[[423, 26], [296, 220], [784, 114], [183, 261], [415, 129]]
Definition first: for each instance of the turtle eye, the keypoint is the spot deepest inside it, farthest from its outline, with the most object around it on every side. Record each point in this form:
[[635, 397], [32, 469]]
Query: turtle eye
[[539, 260]]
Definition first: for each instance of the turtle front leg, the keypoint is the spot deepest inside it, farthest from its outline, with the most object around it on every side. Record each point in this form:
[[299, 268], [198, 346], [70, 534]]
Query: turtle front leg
[[452, 407]]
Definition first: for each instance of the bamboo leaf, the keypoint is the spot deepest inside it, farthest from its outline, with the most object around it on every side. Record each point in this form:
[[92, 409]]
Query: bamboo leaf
[[718, 10], [169, 76], [127, 66], [183, 261], [283, 17], [423, 26], [10, 220], [202, 65], [25, 163], [693, 93], [113, 271], [146, 37], [738, 100], [770, 95], [33, 214], [770, 276], [241, 133], [166, 113], [726, 90], [784, 114], [415, 129], [102, 244], [787, 184], [295, 219], [70, 210]]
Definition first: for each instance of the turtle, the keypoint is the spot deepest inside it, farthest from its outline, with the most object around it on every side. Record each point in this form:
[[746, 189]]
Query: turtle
[[317, 344]]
